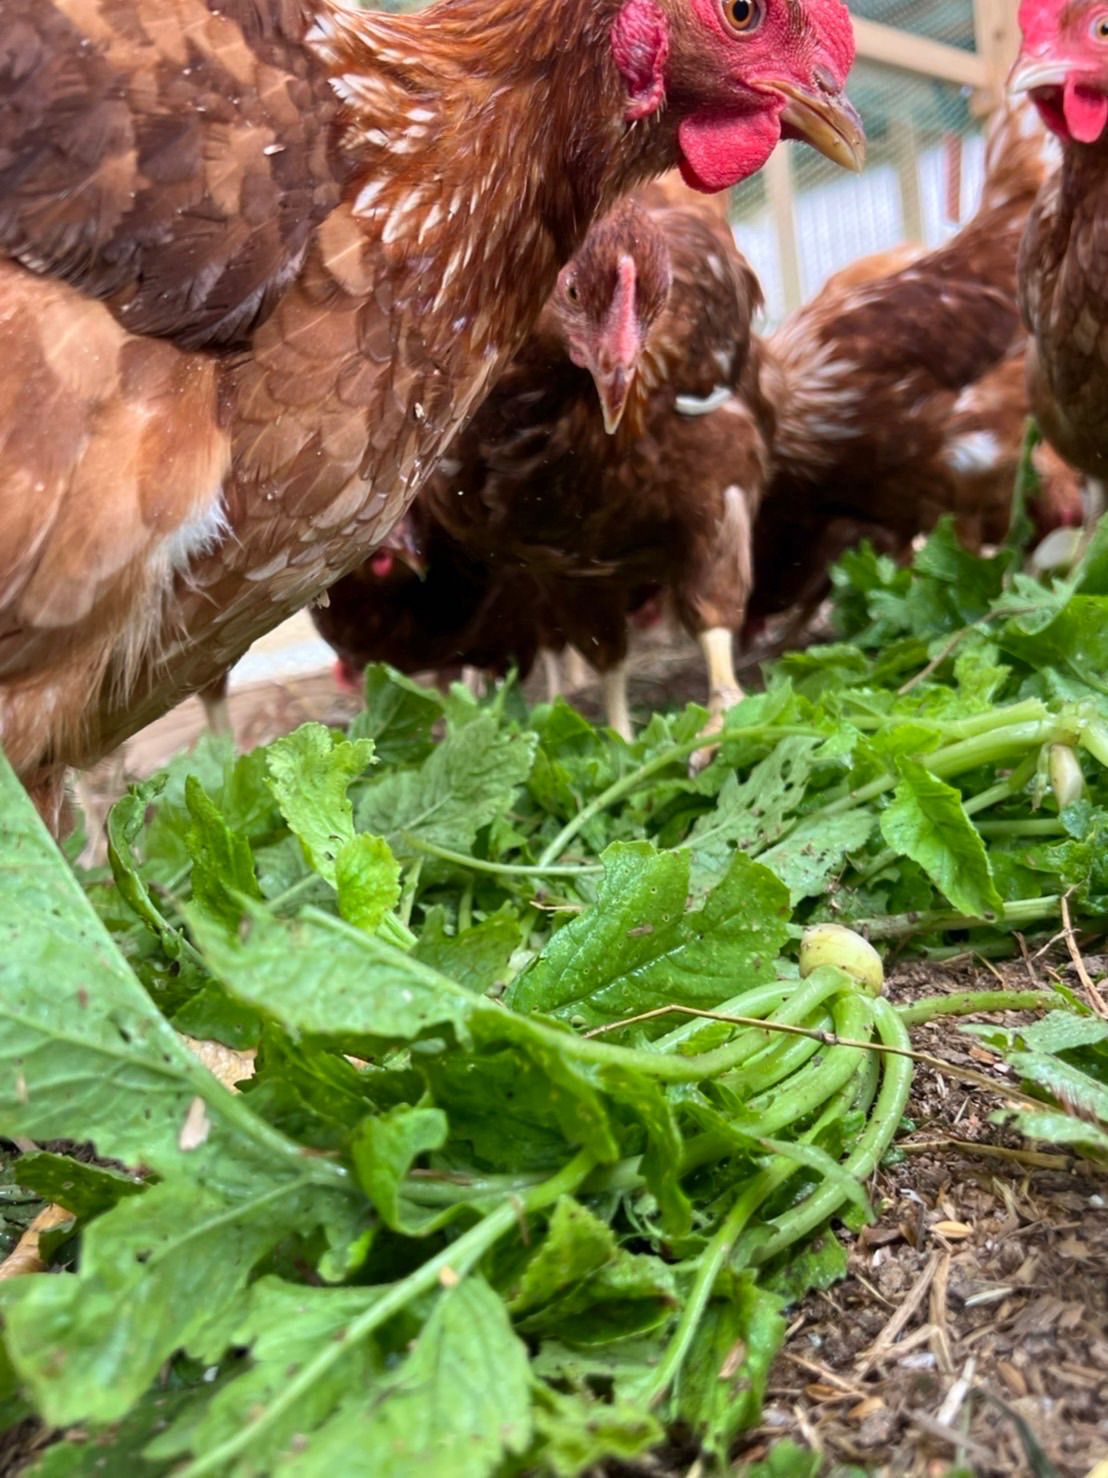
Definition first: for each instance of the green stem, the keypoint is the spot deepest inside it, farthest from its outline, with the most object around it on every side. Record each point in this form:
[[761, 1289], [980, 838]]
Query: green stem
[[953, 759], [1003, 789], [508, 869], [457, 1259], [396, 932], [667, 1068], [866, 1155], [1022, 911], [969, 1002], [760, 1001], [411, 889], [1045, 827], [712, 1262], [852, 1015], [631, 781], [301, 886]]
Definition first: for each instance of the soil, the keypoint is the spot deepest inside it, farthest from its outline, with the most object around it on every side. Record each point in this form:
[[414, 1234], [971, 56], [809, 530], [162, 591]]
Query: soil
[[972, 1329]]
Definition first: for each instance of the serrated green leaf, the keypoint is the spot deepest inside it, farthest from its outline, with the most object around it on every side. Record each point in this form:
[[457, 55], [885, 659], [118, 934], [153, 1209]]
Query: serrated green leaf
[[576, 1244], [723, 1382], [1061, 1031], [465, 783], [476, 957], [456, 1407], [638, 947], [86, 1190], [1075, 1090], [152, 1269], [928, 823], [384, 1149], [398, 716], [310, 772], [577, 1432], [283, 1325], [316, 976], [222, 862], [816, 851], [367, 879]]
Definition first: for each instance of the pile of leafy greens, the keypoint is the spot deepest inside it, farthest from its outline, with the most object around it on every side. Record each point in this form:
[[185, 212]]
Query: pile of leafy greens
[[492, 1200]]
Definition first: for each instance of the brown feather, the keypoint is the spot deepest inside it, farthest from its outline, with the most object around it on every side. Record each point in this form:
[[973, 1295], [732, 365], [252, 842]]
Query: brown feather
[[902, 392]]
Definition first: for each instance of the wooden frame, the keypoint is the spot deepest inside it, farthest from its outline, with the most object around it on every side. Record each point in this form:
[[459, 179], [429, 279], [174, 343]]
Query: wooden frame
[[985, 70]]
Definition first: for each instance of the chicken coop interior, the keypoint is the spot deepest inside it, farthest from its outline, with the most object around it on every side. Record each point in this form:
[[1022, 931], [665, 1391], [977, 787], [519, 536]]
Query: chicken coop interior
[[925, 80]]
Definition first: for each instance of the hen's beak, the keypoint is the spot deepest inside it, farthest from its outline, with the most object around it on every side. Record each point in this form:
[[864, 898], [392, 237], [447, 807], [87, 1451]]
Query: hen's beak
[[825, 119], [414, 561], [614, 386], [615, 355], [1032, 72]]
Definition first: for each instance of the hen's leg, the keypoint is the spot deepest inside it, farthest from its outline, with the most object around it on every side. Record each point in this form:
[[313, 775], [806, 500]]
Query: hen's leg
[[576, 670], [216, 710], [552, 671], [616, 706], [724, 689]]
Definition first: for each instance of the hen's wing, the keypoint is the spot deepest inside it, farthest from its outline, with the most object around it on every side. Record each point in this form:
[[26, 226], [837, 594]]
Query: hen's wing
[[169, 156], [715, 295]]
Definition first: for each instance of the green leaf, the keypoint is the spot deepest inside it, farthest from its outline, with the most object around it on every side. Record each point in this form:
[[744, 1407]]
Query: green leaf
[[751, 814], [317, 976], [367, 878], [1076, 1091], [928, 823], [576, 1244], [398, 716], [1061, 1031], [151, 1272], [86, 1190], [476, 957], [577, 1432], [310, 772], [84, 1454], [125, 822], [384, 1150], [83, 1053], [638, 948], [456, 1407], [222, 862], [625, 1295], [816, 851], [283, 1325], [723, 1383], [465, 783]]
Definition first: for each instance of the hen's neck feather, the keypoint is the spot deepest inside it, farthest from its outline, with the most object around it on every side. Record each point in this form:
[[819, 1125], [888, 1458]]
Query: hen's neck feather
[[475, 144]]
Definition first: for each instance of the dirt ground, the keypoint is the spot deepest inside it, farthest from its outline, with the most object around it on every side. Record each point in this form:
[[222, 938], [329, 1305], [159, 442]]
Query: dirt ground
[[972, 1330]]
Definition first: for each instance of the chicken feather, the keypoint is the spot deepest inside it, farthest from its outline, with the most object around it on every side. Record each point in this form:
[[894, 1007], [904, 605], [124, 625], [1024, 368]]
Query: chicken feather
[[262, 258]]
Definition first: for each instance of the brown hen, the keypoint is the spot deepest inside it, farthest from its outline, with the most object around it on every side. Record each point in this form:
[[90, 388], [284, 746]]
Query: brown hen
[[1064, 258], [901, 396], [654, 315], [262, 258]]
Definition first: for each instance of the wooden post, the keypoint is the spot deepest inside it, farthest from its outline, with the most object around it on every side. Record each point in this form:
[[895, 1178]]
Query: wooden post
[[881, 43], [778, 175], [905, 150], [998, 37]]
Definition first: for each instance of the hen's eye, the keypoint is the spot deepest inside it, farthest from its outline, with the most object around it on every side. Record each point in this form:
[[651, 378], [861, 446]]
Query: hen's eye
[[1100, 28], [571, 291], [743, 15]]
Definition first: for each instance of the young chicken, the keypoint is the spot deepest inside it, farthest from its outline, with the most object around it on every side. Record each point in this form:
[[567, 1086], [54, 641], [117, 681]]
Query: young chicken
[[1063, 264], [261, 259], [593, 508], [901, 394]]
